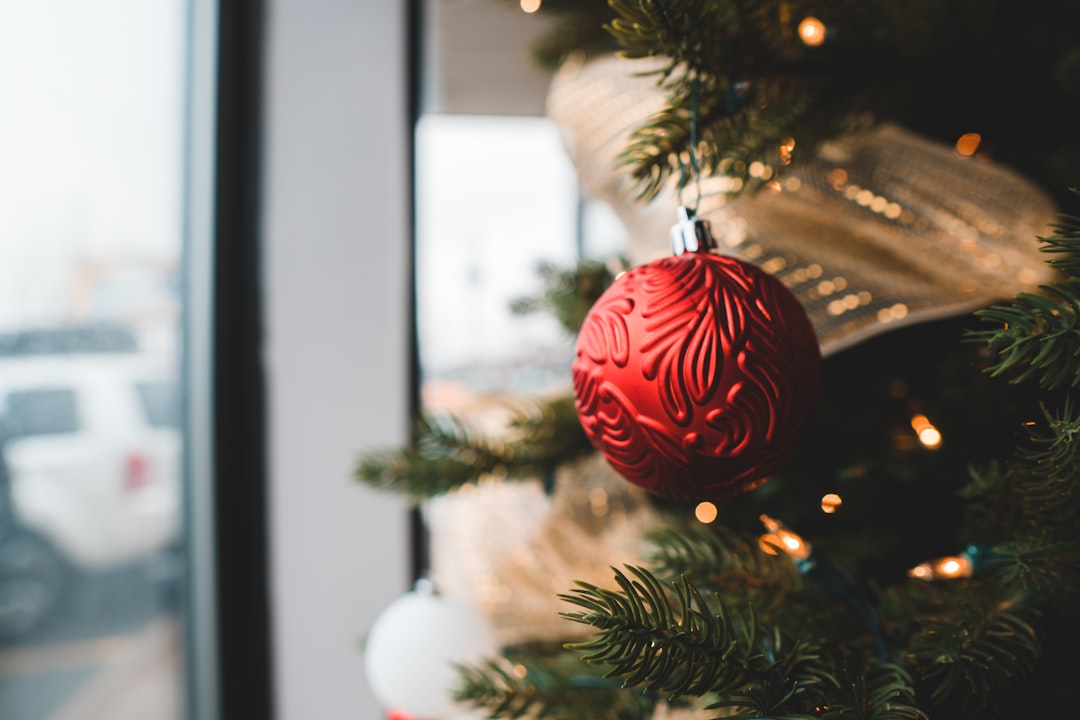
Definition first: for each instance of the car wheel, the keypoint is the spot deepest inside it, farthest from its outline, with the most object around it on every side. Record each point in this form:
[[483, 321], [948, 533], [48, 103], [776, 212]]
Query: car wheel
[[32, 583]]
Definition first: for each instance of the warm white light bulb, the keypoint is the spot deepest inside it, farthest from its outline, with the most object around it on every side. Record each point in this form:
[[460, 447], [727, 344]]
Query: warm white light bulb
[[930, 437], [922, 571], [705, 512], [812, 31], [830, 503], [968, 143], [946, 568], [790, 542]]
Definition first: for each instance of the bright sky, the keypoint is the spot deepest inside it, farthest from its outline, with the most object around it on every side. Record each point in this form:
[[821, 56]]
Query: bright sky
[[91, 111], [91, 120], [495, 195]]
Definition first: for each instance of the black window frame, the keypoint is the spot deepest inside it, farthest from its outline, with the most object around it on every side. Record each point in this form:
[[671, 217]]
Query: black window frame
[[242, 582]]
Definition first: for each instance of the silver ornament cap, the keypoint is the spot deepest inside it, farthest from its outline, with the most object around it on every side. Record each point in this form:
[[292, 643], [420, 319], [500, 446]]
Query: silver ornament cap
[[691, 234]]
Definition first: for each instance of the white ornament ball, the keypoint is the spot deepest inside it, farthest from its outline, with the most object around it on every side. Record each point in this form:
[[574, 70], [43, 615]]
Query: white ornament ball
[[411, 650]]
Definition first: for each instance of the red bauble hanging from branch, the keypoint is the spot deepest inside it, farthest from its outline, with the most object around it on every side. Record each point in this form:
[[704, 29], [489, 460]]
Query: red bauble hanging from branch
[[696, 374]]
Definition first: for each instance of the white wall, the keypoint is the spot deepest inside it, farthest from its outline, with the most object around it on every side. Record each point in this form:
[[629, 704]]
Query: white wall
[[335, 211]]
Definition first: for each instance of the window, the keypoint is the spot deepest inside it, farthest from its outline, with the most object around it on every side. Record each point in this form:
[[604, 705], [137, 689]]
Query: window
[[481, 237], [95, 154], [160, 403], [41, 412]]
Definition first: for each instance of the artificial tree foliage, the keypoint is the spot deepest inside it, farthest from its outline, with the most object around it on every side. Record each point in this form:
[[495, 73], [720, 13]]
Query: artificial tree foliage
[[709, 617], [940, 68], [709, 620]]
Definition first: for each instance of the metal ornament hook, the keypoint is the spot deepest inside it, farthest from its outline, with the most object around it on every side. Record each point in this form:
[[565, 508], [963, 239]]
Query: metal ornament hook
[[691, 234]]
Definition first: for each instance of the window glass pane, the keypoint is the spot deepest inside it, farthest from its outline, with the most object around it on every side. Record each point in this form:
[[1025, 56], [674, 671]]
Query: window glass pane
[[92, 96], [497, 197], [41, 412], [160, 403]]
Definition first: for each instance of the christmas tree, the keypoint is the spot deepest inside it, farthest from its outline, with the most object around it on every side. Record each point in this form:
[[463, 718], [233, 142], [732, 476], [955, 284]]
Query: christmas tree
[[911, 553]]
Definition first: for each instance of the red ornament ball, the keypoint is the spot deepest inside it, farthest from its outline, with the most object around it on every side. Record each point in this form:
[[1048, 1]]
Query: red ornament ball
[[695, 376]]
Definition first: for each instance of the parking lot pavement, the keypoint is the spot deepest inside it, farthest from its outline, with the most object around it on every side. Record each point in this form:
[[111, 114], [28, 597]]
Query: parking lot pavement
[[120, 677]]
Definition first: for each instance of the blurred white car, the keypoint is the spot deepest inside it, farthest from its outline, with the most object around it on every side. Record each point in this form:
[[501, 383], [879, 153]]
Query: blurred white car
[[93, 464]]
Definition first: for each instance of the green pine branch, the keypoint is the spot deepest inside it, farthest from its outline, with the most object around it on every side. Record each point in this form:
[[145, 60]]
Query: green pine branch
[[1038, 336], [696, 34], [782, 694], [1036, 495], [992, 507], [1064, 244], [448, 453], [728, 77], [546, 688], [548, 435], [884, 691], [974, 647], [738, 75], [1041, 566], [687, 643], [569, 294], [1054, 456], [1027, 511], [881, 61], [738, 124], [573, 28], [716, 556]]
